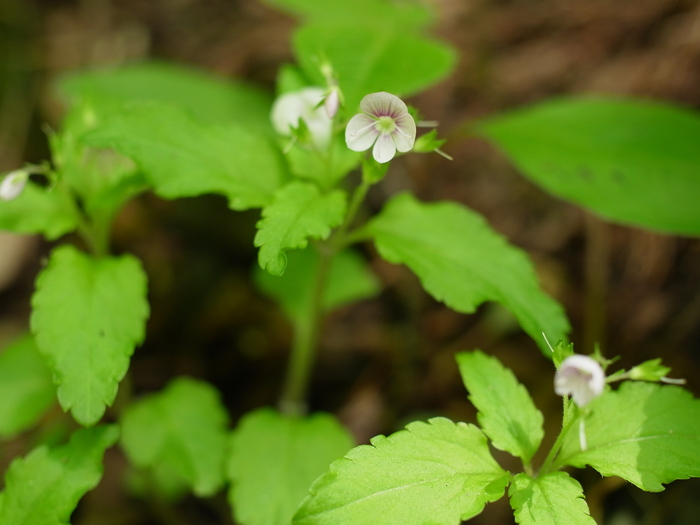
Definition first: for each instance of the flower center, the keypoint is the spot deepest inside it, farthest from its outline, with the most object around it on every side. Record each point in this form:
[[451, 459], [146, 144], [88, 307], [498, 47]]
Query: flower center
[[385, 125]]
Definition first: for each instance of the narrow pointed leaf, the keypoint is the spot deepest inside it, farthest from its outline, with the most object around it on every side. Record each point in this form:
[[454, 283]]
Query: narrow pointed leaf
[[436, 472], [552, 499], [38, 210], [184, 428], [88, 316], [274, 459], [463, 262], [507, 414]]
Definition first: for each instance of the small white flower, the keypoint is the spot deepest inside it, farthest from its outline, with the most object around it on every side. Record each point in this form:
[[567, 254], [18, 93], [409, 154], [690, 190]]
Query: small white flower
[[581, 377], [384, 122], [305, 105], [332, 102], [13, 184]]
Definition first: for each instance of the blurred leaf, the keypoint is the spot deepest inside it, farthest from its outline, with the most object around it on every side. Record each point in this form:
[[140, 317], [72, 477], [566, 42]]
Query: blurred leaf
[[651, 370], [631, 161], [184, 428], [44, 487], [463, 263], [552, 499], [88, 315], [507, 414], [38, 210], [325, 170], [274, 459], [436, 472], [26, 388], [645, 433], [298, 213]]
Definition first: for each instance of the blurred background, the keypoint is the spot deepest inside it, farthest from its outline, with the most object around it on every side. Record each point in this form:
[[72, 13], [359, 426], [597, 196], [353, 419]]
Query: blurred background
[[390, 360]]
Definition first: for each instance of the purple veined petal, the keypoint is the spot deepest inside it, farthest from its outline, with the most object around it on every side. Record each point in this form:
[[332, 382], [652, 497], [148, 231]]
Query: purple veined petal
[[360, 133], [383, 104], [384, 149], [405, 133]]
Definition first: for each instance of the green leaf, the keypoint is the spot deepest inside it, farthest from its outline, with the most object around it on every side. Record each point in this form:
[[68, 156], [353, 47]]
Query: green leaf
[[26, 388], [631, 161], [299, 212], [44, 487], [651, 370], [184, 428], [349, 280], [324, 170], [645, 433], [274, 459], [88, 315], [507, 414], [438, 472], [552, 499], [463, 263], [182, 157]]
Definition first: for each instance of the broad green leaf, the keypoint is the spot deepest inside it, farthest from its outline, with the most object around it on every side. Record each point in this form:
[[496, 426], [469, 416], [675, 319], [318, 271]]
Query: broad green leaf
[[645, 433], [298, 213], [507, 414], [183, 428], [274, 459], [631, 161], [325, 170], [26, 388], [39, 210], [552, 499], [44, 487], [88, 316], [183, 158], [463, 263], [438, 472], [349, 280]]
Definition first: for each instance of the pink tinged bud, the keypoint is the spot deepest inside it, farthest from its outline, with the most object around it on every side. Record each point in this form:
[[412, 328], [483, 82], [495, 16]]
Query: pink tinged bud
[[12, 185], [581, 377], [332, 103]]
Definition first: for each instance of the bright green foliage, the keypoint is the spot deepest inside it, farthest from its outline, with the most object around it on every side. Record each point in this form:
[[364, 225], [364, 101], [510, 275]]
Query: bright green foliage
[[506, 414], [463, 263], [44, 487], [645, 433], [349, 280], [26, 389], [182, 157], [38, 210], [324, 168], [553, 499], [274, 459], [88, 315], [298, 213], [651, 370], [438, 472], [631, 161], [561, 351], [183, 428]]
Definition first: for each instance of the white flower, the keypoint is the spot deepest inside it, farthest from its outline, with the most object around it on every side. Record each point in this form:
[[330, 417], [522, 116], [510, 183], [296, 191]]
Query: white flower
[[13, 184], [581, 377], [332, 102], [384, 122], [305, 105]]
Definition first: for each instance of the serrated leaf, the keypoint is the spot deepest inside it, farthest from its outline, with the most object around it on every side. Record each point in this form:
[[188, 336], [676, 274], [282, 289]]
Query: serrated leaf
[[44, 487], [631, 161], [88, 316], [645, 433], [182, 427], [26, 388], [462, 262], [552, 499], [507, 414], [438, 472], [181, 157], [349, 280], [298, 213], [274, 459]]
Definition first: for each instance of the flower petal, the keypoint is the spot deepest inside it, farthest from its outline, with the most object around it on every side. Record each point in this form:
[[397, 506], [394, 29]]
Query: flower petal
[[384, 149], [383, 104], [581, 377], [302, 104], [405, 133], [360, 133]]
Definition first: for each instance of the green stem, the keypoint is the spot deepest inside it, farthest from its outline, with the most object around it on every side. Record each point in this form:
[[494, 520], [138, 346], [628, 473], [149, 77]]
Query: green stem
[[567, 422]]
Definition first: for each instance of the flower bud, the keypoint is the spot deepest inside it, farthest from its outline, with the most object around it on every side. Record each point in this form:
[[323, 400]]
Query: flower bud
[[580, 377], [12, 185]]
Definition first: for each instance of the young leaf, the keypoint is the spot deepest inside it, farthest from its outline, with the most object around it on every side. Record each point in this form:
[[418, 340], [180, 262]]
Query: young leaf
[[323, 169], [463, 263], [645, 433], [45, 486], [88, 315], [299, 212], [631, 161], [552, 499], [273, 460], [183, 158], [506, 414], [184, 428], [26, 388], [436, 472]]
